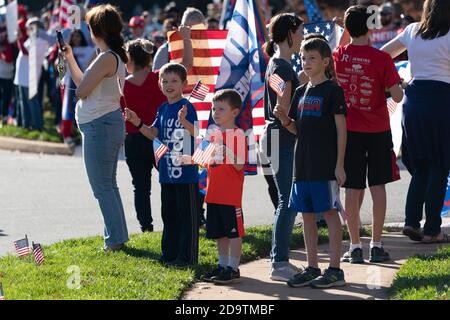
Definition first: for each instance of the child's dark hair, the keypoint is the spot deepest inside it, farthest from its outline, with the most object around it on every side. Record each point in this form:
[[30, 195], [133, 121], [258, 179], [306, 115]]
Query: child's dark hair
[[176, 68], [355, 21], [279, 28], [323, 48], [140, 51], [230, 96]]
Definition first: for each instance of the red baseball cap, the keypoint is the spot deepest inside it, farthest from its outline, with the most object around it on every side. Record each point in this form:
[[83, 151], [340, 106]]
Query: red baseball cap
[[136, 22]]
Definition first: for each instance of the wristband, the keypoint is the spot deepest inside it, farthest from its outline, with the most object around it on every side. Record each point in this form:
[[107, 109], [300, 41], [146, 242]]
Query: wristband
[[288, 124], [139, 126]]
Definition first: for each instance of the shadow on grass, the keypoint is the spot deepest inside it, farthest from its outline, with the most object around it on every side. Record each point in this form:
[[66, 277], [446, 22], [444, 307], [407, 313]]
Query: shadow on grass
[[139, 253]]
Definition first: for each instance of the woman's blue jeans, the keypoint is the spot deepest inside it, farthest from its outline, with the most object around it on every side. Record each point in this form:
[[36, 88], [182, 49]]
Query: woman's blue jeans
[[284, 217], [102, 139]]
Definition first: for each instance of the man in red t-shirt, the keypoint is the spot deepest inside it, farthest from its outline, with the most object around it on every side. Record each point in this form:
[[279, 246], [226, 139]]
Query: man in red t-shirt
[[364, 73]]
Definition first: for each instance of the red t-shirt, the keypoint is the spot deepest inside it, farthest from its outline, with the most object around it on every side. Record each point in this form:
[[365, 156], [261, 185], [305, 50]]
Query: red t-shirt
[[225, 184], [144, 100], [364, 73]]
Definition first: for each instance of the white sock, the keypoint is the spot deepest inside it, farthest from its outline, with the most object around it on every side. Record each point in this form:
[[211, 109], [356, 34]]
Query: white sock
[[375, 244], [233, 263], [223, 261], [354, 246]]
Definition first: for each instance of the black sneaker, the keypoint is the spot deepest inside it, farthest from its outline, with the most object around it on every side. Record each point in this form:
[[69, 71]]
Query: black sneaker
[[304, 278], [378, 255], [207, 277], [331, 278], [228, 275], [355, 256]]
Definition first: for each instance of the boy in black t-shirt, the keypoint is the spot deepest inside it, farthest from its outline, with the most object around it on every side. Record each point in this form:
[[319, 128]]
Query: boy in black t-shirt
[[319, 161]]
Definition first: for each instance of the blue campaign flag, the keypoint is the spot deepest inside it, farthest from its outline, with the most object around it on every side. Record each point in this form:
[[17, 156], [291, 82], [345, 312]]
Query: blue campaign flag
[[313, 11]]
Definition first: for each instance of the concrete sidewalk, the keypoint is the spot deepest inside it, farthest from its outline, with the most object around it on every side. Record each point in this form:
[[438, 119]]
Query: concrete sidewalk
[[364, 281]]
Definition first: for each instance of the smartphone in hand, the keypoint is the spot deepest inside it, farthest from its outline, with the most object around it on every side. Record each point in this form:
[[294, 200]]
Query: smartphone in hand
[[60, 40]]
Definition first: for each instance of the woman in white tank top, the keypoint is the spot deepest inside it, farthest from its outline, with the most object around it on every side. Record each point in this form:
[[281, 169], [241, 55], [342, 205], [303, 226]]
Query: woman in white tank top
[[100, 119]]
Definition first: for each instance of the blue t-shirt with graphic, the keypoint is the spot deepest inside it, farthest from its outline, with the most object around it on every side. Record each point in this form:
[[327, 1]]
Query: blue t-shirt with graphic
[[179, 141]]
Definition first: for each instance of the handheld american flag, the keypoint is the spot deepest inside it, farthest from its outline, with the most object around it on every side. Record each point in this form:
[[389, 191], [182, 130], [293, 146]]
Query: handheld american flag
[[22, 246], [392, 106], [38, 254], [277, 84], [200, 91], [204, 153], [64, 13], [2, 295], [160, 149]]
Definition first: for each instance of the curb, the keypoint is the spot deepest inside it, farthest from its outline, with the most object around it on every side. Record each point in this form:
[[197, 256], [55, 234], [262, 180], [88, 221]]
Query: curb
[[32, 146]]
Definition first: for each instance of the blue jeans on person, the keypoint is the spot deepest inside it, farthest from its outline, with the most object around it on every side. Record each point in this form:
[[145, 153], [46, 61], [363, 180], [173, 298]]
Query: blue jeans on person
[[284, 217], [102, 139], [31, 110]]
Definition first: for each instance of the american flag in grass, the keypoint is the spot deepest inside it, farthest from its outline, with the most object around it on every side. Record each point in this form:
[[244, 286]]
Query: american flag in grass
[[38, 254], [22, 246]]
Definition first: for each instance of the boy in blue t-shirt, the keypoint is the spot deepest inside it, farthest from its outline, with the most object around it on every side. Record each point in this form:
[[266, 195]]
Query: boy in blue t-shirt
[[179, 183]]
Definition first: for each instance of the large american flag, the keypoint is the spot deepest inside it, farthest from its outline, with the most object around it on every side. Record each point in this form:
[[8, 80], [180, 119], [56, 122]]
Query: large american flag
[[38, 254], [64, 13], [329, 29], [22, 246], [208, 48]]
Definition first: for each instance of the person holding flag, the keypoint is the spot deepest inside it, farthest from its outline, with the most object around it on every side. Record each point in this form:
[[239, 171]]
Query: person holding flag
[[174, 127], [286, 32], [138, 149]]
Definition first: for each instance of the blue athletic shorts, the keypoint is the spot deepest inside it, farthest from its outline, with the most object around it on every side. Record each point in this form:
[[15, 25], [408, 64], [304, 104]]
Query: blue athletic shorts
[[315, 196]]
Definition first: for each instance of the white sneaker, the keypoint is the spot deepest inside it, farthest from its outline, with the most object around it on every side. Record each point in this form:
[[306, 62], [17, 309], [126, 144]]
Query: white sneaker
[[284, 273]]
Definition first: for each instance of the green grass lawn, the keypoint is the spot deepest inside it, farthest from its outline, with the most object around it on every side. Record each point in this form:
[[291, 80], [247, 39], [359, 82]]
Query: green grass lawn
[[425, 277], [49, 133], [134, 273]]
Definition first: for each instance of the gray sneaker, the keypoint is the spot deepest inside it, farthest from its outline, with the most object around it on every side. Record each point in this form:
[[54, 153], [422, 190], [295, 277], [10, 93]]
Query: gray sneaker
[[283, 273], [355, 256]]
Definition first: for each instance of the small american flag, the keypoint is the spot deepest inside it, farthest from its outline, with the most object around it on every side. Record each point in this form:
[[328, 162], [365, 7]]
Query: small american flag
[[204, 153], [2, 295], [22, 246], [200, 91], [160, 149], [277, 84], [38, 254], [392, 106]]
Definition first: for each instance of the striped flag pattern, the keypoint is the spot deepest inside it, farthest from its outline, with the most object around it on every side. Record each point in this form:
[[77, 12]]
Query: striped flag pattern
[[22, 246], [64, 12], [159, 149], [208, 48], [38, 254], [392, 106], [200, 91], [2, 295], [204, 153], [277, 84]]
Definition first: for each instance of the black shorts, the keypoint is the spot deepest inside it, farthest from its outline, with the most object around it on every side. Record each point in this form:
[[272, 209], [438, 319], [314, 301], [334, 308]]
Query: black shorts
[[224, 221], [370, 155]]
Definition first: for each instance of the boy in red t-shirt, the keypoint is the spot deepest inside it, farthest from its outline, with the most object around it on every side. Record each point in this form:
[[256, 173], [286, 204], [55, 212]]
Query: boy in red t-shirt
[[224, 220], [364, 73]]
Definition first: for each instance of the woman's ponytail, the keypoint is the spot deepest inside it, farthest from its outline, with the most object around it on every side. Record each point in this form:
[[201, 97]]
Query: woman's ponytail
[[270, 47], [116, 44]]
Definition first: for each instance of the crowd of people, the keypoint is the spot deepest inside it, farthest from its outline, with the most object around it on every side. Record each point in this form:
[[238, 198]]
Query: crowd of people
[[332, 123]]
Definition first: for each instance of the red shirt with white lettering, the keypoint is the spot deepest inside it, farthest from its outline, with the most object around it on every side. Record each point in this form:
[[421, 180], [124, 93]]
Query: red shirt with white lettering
[[364, 73]]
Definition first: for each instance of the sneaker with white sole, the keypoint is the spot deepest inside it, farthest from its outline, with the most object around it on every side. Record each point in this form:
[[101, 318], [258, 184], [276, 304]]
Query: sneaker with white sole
[[283, 273]]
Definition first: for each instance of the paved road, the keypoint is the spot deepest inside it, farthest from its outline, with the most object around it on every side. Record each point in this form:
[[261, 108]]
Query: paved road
[[49, 199]]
